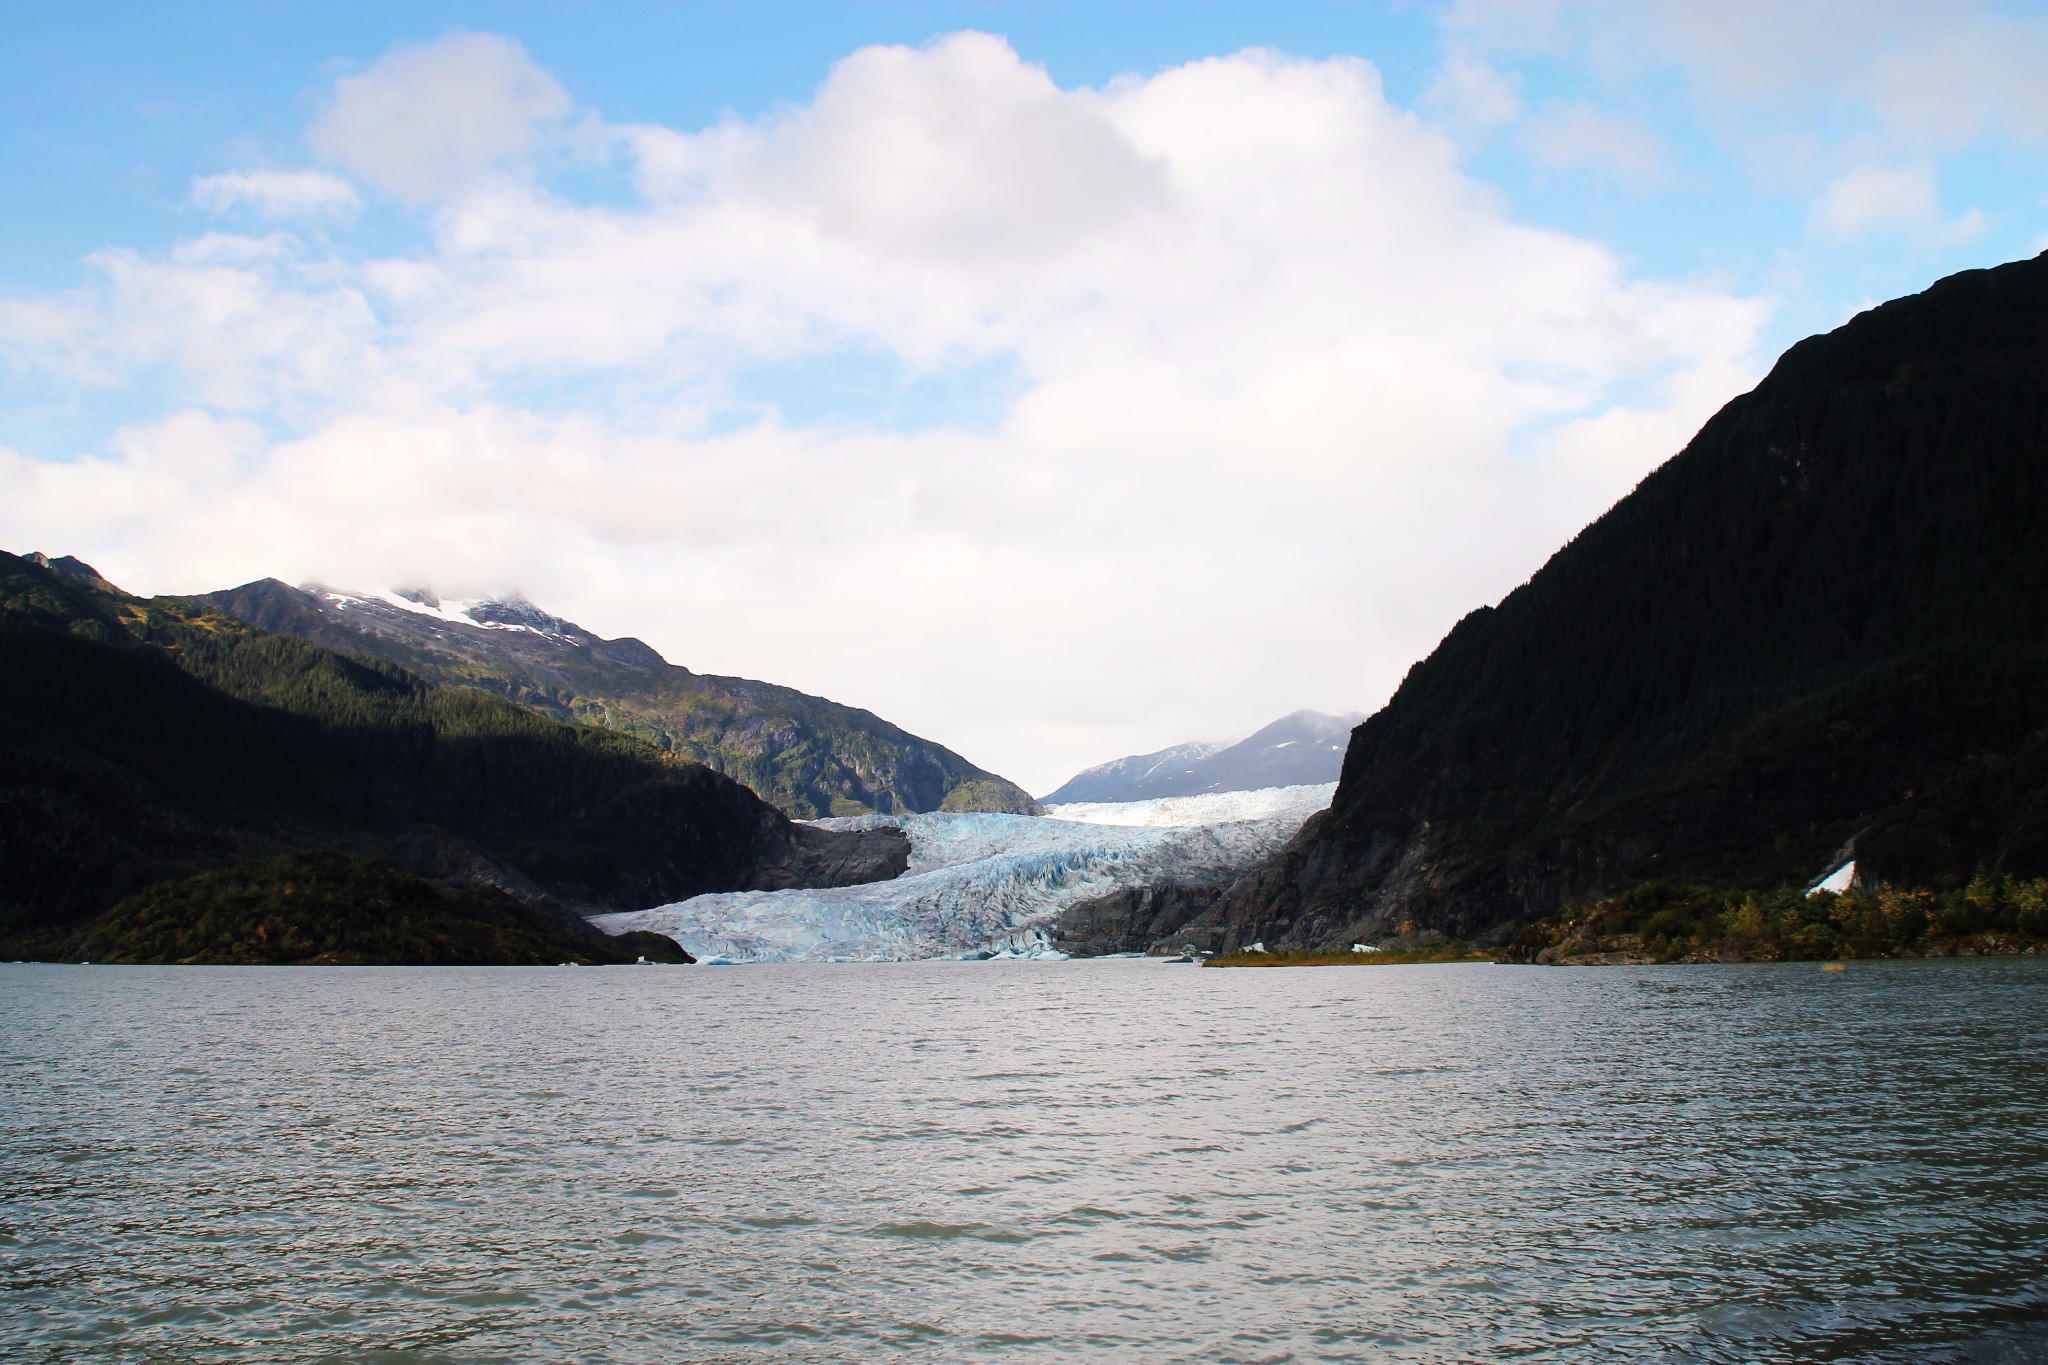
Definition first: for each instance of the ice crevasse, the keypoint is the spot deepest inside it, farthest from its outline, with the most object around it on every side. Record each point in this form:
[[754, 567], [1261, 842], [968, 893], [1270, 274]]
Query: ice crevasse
[[979, 884]]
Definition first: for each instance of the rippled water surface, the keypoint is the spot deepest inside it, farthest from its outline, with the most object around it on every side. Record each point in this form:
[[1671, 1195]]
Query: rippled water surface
[[1117, 1160]]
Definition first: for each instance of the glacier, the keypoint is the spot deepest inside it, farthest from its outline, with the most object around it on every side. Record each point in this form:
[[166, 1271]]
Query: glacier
[[987, 885]]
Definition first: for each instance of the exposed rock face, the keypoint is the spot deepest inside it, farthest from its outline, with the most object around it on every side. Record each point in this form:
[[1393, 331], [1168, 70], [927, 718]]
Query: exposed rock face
[[446, 861], [815, 857], [1135, 920], [1825, 619], [71, 568]]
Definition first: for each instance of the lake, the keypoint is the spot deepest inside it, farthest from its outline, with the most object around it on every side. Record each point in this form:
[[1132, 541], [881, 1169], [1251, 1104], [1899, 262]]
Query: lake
[[1111, 1160]]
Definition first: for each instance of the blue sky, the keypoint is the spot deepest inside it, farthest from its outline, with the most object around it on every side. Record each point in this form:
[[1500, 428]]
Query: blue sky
[[1082, 387]]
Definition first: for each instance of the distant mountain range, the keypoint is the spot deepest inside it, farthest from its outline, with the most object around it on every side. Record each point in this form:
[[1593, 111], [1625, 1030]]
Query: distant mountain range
[[1818, 632], [808, 756], [148, 745], [1300, 749]]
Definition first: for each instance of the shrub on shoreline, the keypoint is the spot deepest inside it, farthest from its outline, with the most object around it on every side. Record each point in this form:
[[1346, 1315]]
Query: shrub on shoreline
[[1660, 922]]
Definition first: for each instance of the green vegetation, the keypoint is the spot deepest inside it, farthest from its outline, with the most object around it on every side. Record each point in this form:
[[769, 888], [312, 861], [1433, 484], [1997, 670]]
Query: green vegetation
[[1658, 922], [330, 909], [986, 794], [807, 756], [1825, 619], [148, 741], [1451, 951]]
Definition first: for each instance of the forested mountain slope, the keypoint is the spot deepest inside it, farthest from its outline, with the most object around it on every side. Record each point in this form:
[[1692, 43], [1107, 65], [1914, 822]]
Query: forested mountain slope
[[1825, 620], [143, 741], [809, 756]]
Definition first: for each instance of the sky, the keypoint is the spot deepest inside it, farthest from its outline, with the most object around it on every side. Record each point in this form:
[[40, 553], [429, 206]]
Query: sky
[[1057, 381]]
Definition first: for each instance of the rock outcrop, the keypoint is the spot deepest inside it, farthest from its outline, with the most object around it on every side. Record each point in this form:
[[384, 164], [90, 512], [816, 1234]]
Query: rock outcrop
[[1137, 919]]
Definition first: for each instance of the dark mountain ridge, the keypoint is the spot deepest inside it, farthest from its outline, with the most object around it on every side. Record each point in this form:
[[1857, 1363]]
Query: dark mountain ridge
[[145, 741], [1822, 628], [1302, 748], [809, 756]]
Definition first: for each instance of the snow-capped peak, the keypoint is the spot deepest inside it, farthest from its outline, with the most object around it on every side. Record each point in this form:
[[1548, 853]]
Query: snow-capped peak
[[510, 611]]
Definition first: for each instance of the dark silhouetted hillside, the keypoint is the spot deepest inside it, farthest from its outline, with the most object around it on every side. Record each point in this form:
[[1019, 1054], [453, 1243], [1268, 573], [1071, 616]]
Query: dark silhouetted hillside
[[1825, 621], [147, 741]]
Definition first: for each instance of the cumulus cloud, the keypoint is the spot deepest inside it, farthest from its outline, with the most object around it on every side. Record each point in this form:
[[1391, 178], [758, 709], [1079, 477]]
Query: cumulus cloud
[[1283, 392], [426, 120], [277, 194]]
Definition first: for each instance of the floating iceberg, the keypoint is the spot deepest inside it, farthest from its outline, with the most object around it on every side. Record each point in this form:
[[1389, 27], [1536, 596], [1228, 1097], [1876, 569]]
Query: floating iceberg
[[987, 886]]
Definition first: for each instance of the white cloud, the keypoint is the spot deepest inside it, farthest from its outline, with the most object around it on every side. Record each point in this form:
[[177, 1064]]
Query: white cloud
[[1015, 165], [1471, 96], [424, 121], [1285, 394], [1576, 136], [1930, 77], [277, 194], [1874, 198], [244, 323], [1982, 75]]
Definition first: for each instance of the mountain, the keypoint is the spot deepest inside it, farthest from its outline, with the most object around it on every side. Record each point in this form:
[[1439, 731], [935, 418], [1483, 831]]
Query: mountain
[[147, 741], [1126, 779], [809, 756], [1303, 749], [1819, 631]]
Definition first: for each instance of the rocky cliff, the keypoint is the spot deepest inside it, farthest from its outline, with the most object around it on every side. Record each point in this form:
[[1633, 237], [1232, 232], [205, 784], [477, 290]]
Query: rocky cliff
[[1136, 919]]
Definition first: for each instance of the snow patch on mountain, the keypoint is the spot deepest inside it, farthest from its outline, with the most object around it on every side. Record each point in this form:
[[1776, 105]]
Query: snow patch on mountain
[[1304, 747], [980, 884], [489, 613]]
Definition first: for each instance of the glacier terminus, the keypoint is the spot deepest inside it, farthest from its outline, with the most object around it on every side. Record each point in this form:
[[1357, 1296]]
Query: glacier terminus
[[982, 885]]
